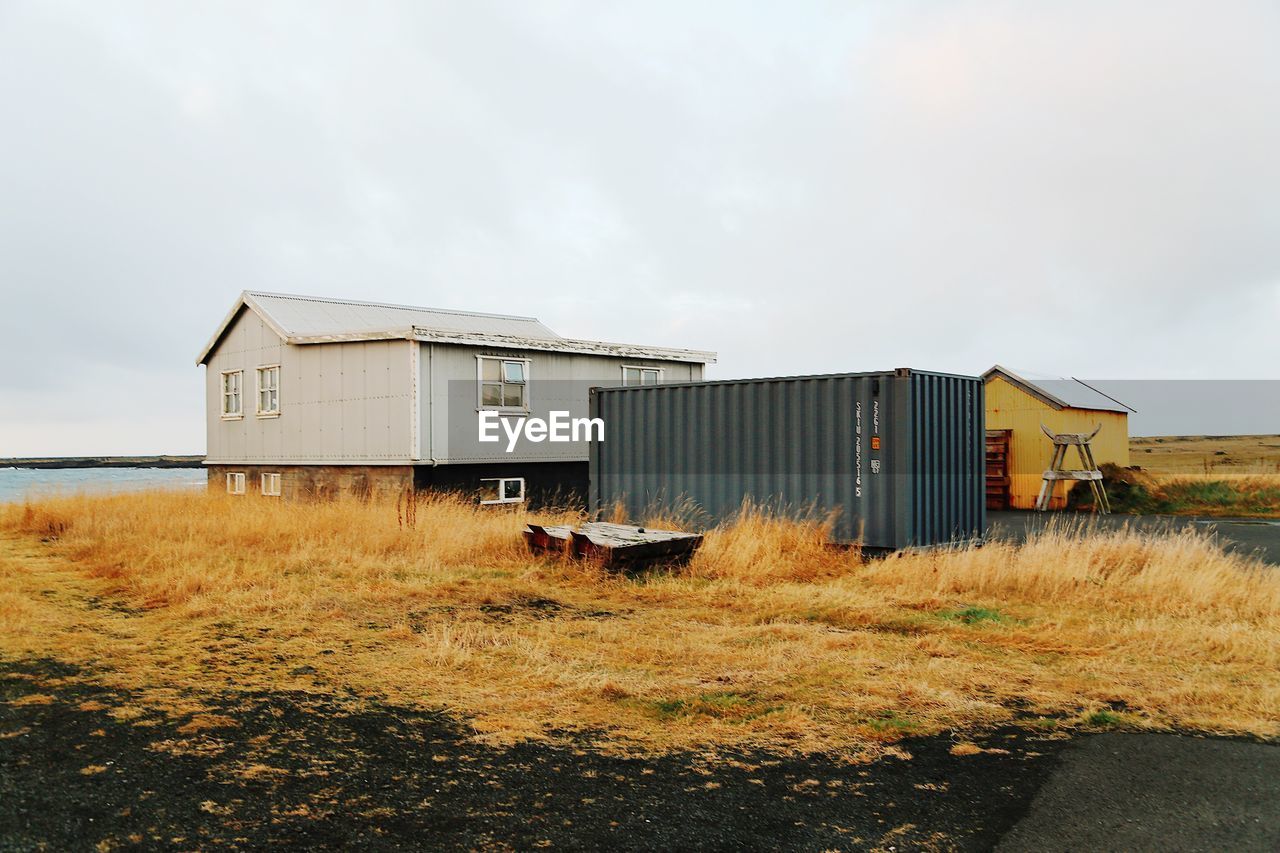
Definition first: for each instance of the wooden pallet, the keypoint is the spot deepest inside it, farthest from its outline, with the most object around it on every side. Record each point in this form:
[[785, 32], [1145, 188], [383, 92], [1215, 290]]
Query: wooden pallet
[[615, 546], [998, 480]]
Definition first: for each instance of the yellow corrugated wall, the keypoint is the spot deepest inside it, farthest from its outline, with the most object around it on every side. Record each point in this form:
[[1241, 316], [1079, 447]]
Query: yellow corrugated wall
[[1030, 451]]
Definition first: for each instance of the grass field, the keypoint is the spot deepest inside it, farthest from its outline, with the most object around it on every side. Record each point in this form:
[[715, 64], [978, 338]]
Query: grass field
[[1173, 455], [767, 638], [1201, 475]]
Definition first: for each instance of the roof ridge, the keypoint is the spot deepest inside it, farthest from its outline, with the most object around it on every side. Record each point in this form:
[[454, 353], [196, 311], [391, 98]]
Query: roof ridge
[[1029, 385], [369, 304]]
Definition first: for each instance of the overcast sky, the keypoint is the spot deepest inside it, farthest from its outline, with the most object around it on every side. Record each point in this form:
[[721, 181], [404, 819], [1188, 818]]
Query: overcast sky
[[1087, 189]]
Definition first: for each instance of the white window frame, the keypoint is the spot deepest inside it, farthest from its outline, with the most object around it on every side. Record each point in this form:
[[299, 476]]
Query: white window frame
[[239, 395], [235, 482], [503, 497], [480, 383], [641, 368], [257, 397], [272, 490]]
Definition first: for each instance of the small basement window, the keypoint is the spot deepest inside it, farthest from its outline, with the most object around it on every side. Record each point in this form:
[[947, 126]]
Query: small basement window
[[641, 375], [502, 490], [232, 380], [271, 485], [235, 483], [503, 383], [269, 390]]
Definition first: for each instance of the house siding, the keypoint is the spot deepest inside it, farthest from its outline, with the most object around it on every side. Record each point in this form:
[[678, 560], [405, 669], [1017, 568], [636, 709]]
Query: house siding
[[558, 381], [339, 403]]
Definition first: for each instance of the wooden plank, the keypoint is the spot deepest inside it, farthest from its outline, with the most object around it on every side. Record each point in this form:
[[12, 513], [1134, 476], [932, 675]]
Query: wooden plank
[[616, 546], [1072, 475], [549, 539]]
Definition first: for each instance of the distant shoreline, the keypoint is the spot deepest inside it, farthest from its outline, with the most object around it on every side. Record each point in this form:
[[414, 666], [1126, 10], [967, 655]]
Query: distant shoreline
[[54, 462]]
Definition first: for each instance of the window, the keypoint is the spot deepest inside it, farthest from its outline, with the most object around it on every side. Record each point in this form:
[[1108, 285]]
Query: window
[[271, 485], [641, 375], [231, 382], [269, 390], [503, 383], [235, 483], [502, 490]]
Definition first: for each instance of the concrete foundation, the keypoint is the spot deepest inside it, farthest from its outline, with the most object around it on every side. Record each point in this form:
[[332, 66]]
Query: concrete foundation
[[320, 482], [547, 484]]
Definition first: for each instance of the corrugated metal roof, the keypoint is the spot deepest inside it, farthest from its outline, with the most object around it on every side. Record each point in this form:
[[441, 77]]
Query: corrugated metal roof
[[1078, 395], [1063, 392], [571, 345], [313, 320], [309, 316]]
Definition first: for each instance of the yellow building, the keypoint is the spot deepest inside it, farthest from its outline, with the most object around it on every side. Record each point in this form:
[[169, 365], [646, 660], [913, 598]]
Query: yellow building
[[1018, 452]]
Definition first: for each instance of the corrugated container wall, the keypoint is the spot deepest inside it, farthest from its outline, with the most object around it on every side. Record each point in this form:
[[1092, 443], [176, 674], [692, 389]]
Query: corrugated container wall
[[898, 455]]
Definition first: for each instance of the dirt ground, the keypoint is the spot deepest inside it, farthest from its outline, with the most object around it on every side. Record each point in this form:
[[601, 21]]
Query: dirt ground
[[85, 768], [82, 767]]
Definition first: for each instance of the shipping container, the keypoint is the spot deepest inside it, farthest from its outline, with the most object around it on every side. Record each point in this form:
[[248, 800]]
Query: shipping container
[[898, 455]]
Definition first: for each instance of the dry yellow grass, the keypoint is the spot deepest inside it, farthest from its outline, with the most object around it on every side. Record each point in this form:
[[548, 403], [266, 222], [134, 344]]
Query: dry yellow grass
[[767, 637], [1240, 494], [1218, 494], [1234, 475], [1172, 455]]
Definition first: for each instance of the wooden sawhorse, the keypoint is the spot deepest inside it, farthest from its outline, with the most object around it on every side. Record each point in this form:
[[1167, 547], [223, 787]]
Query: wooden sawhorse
[[1057, 470]]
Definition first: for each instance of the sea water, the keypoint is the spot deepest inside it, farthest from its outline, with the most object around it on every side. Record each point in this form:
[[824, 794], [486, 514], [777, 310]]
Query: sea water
[[17, 484]]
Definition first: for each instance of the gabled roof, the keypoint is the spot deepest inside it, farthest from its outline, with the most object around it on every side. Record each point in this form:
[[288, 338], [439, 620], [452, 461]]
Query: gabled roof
[[313, 320], [1060, 392]]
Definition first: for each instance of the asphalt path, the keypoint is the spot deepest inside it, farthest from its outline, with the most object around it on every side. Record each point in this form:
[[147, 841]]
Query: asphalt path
[[1137, 791], [1257, 536]]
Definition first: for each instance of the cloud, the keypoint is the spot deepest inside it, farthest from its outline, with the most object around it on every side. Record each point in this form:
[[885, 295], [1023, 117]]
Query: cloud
[[1085, 189]]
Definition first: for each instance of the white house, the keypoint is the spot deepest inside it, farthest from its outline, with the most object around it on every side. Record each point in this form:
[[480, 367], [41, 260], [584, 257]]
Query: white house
[[316, 396]]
